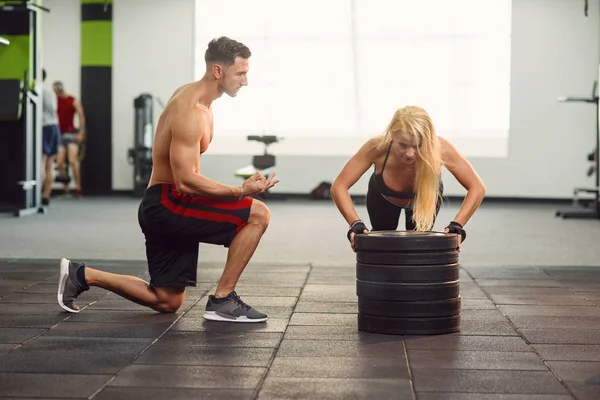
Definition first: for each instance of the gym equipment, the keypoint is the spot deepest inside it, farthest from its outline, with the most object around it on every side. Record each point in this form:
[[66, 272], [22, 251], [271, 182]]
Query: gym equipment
[[21, 122], [407, 282], [140, 156], [264, 163], [576, 210]]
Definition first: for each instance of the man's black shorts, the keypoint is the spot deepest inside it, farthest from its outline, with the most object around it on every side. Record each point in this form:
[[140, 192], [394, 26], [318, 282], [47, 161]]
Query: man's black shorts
[[175, 223]]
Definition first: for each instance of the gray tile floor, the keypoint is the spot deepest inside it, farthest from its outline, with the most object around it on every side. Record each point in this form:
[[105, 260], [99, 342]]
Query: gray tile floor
[[530, 315]]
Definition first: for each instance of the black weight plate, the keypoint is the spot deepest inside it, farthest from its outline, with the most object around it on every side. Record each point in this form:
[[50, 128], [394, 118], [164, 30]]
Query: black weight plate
[[411, 309], [408, 326], [407, 273], [406, 241], [407, 291], [446, 257]]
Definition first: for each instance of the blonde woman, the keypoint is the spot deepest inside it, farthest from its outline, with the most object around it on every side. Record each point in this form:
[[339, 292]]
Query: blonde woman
[[408, 158]]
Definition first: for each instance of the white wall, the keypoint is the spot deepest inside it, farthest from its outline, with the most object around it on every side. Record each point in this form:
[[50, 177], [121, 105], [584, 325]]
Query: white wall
[[61, 43], [555, 51], [153, 52]]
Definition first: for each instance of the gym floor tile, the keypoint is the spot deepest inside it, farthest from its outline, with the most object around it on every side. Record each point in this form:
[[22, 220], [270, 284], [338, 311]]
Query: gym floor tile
[[31, 321], [458, 359], [339, 367], [329, 332], [587, 372], [31, 309], [482, 315], [487, 327], [507, 273], [532, 291], [255, 290], [467, 343], [50, 385], [198, 324], [541, 300], [333, 389], [331, 279], [324, 319], [108, 329], [337, 348], [329, 293], [6, 347], [50, 288], [142, 393], [225, 339], [18, 335], [590, 295], [584, 392], [203, 355], [470, 290], [518, 283], [562, 336], [568, 352], [189, 376], [476, 304], [550, 311], [490, 396], [107, 360], [144, 317], [486, 381], [33, 298], [326, 307], [529, 321], [27, 276]]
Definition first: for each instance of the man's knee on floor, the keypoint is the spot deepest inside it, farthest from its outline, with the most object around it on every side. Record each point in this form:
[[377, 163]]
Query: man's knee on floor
[[259, 214], [169, 299], [169, 306]]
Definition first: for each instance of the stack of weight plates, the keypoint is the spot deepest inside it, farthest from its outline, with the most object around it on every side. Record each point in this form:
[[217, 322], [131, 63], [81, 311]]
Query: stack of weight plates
[[407, 282]]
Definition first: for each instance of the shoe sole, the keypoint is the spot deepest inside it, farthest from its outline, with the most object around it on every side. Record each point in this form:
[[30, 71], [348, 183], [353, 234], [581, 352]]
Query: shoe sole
[[62, 281], [212, 316]]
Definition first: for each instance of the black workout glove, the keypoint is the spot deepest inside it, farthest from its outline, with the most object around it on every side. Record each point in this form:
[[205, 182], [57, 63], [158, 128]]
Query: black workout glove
[[357, 227], [455, 227]]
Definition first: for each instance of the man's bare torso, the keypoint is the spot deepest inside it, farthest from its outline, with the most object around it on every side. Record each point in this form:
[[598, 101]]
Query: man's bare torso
[[183, 104]]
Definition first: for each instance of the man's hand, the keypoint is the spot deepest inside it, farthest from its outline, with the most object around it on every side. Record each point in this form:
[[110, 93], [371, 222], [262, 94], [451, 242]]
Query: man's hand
[[257, 183], [80, 136]]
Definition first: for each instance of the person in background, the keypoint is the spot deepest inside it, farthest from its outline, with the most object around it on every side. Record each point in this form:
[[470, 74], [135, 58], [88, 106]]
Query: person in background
[[50, 138], [71, 138]]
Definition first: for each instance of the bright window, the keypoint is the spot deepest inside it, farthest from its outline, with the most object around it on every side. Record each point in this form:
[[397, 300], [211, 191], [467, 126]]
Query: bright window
[[336, 70]]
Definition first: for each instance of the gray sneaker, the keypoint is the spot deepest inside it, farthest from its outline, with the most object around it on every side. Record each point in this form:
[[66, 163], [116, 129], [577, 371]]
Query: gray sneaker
[[233, 309], [68, 285]]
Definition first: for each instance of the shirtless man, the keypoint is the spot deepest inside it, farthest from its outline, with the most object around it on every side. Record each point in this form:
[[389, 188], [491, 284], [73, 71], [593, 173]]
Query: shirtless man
[[181, 207]]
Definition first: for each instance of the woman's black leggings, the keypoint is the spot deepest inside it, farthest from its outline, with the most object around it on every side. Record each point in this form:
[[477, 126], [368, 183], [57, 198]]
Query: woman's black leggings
[[384, 216]]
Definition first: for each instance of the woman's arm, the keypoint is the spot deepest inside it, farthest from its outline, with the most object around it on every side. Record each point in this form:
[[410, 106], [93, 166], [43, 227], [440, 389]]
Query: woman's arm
[[466, 175], [354, 169]]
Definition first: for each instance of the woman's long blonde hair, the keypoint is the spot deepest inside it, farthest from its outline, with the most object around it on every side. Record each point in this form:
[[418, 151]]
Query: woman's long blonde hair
[[417, 122]]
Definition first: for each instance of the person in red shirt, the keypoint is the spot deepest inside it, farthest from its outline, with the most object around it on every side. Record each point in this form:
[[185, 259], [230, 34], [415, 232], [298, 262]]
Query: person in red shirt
[[71, 137]]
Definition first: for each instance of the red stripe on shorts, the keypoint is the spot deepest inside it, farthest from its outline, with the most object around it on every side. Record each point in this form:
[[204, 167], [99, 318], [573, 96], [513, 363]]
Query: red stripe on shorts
[[202, 214], [211, 201]]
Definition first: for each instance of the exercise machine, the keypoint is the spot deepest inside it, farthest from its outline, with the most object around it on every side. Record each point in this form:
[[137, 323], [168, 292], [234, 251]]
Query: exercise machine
[[140, 156], [264, 163], [577, 210], [21, 111]]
